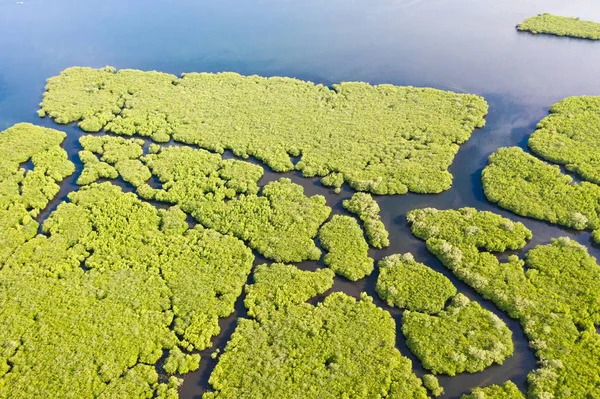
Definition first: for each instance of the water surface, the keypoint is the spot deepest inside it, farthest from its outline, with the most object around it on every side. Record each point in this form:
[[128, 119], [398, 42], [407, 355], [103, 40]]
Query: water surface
[[462, 45]]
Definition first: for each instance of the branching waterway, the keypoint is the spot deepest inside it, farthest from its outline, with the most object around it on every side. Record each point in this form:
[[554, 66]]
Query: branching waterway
[[465, 46]]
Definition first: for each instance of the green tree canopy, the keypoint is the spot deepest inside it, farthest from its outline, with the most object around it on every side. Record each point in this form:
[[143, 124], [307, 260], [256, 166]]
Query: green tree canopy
[[24, 193], [570, 136], [561, 26], [341, 348], [278, 286], [411, 285], [464, 337], [89, 307], [367, 209], [347, 251], [554, 293], [384, 139], [529, 187]]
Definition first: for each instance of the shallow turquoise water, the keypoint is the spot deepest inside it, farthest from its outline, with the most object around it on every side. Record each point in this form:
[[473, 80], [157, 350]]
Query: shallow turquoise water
[[461, 45]]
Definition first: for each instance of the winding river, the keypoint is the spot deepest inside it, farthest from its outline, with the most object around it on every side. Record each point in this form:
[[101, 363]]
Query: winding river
[[461, 45]]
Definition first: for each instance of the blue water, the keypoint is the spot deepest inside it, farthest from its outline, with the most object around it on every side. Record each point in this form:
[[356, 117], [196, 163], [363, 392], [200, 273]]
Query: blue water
[[462, 45]]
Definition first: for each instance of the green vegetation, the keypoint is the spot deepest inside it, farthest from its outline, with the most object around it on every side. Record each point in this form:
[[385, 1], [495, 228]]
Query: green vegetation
[[464, 337], [530, 187], [561, 26], [280, 223], [383, 139], [118, 156], [348, 252], [23, 194], [508, 390], [405, 283], [191, 176], [278, 286], [367, 209], [554, 293], [89, 308], [342, 348], [570, 136], [432, 384], [472, 228]]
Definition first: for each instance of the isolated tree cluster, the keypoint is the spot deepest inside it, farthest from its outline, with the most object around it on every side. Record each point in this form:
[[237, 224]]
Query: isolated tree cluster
[[530, 187], [411, 285], [347, 251], [561, 26], [463, 337], [366, 208], [508, 390]]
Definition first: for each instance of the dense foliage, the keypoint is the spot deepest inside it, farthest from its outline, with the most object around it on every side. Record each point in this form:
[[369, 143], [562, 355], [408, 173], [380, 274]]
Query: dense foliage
[[432, 384], [367, 209], [561, 26], [277, 286], [280, 222], [530, 187], [347, 251], [24, 193], [88, 309], [117, 156], [554, 293], [383, 139], [508, 390], [341, 348], [411, 285], [464, 337], [570, 135], [191, 176]]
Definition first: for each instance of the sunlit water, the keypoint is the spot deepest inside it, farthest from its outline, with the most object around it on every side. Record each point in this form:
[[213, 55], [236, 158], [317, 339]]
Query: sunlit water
[[462, 45]]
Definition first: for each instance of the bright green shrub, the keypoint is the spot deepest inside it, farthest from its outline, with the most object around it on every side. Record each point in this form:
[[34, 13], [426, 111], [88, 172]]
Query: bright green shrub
[[405, 283], [194, 176], [469, 227], [367, 209], [24, 193], [464, 337], [554, 293], [341, 348], [432, 384], [561, 26], [347, 251], [89, 307], [278, 286], [529, 187], [383, 139], [508, 390], [280, 223], [181, 363], [570, 136], [113, 149], [133, 172], [94, 169], [118, 156]]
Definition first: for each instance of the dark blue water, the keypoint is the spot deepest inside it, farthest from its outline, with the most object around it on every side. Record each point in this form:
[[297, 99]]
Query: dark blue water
[[461, 45]]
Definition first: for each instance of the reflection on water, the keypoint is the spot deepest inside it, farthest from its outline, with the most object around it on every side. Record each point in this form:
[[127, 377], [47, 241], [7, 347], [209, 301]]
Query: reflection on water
[[462, 45]]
